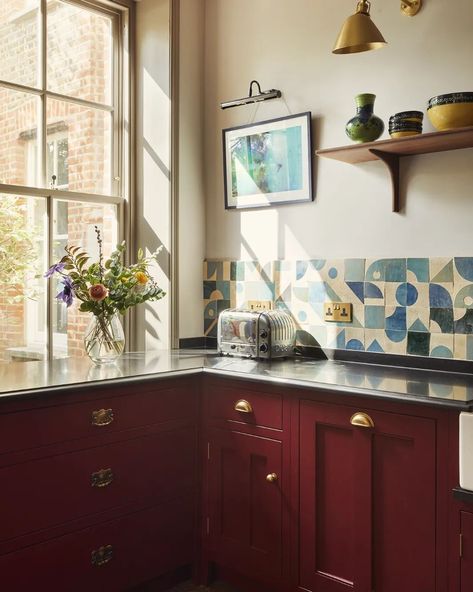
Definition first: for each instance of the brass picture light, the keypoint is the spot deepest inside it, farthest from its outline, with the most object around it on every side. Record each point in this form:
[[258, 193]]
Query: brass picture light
[[359, 33]]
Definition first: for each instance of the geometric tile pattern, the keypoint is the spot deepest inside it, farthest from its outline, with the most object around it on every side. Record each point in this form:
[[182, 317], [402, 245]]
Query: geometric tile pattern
[[416, 306]]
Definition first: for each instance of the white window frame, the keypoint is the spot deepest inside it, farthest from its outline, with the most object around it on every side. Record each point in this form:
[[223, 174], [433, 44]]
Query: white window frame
[[119, 11]]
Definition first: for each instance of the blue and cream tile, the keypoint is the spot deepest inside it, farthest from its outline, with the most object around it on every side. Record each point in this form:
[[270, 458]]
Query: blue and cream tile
[[355, 290], [210, 309], [210, 288], [307, 314], [463, 321], [375, 270], [374, 317], [396, 341], [320, 334], [253, 271], [373, 293], [318, 292], [418, 343], [214, 270], [440, 295], [463, 347], [355, 339], [375, 340], [336, 337], [240, 295], [396, 318], [463, 296], [237, 271], [358, 315], [333, 271], [210, 327], [418, 270], [441, 345], [462, 271], [226, 272], [418, 319], [441, 270], [258, 290], [305, 338], [441, 320], [354, 270], [395, 270]]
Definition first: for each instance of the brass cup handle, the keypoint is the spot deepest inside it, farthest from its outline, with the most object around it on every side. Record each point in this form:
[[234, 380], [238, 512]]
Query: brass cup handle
[[101, 556], [361, 420], [243, 406], [102, 417], [272, 478], [101, 478]]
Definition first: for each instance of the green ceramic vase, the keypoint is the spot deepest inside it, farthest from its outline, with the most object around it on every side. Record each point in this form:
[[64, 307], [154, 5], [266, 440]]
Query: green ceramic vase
[[365, 126]]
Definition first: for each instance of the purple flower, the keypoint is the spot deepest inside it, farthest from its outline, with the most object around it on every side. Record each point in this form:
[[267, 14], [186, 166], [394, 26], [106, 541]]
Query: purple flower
[[67, 293], [56, 268]]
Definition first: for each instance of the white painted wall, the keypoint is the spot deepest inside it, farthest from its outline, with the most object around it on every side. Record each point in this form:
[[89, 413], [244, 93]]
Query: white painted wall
[[191, 195], [153, 152], [287, 44]]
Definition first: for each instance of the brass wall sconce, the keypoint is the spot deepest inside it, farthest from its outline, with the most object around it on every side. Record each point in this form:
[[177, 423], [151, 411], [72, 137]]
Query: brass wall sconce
[[359, 33]]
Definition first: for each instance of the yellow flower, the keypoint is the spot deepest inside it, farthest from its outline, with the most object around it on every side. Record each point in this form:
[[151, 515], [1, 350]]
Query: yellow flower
[[141, 278]]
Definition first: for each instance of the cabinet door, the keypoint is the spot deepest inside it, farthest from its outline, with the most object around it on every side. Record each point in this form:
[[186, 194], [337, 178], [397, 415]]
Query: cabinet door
[[245, 502], [404, 503], [367, 501], [467, 552], [334, 500]]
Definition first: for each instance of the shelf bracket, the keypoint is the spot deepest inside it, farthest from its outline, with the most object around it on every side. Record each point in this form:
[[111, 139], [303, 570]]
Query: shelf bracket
[[392, 162]]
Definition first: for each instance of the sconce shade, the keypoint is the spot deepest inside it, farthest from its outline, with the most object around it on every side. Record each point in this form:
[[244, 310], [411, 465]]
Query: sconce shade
[[358, 32]]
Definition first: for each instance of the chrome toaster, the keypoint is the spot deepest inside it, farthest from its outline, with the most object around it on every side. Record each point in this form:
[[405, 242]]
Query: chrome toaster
[[256, 334]]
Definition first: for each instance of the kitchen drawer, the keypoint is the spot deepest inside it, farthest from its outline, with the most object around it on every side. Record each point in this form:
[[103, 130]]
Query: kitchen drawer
[[241, 405], [133, 549], [40, 427], [43, 493]]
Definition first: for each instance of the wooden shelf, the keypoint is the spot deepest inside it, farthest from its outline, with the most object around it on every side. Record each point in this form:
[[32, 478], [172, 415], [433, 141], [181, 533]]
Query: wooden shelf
[[390, 151]]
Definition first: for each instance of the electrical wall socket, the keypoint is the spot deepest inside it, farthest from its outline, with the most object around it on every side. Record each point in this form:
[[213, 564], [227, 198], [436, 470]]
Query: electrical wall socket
[[340, 312], [260, 305]]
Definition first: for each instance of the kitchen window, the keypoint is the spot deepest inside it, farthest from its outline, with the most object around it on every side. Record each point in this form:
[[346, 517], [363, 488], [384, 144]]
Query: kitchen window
[[63, 126]]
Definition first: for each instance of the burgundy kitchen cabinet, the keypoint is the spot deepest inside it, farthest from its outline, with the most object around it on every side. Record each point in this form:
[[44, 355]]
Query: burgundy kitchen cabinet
[[246, 483], [466, 565], [245, 502], [367, 500], [99, 488]]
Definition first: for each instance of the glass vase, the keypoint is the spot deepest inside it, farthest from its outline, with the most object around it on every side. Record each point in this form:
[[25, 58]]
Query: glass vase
[[365, 126], [104, 339]]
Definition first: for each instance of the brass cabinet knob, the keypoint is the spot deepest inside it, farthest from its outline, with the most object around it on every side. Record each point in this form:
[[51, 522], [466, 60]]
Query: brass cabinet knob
[[361, 420], [272, 478], [101, 478], [243, 406], [102, 417], [101, 556]]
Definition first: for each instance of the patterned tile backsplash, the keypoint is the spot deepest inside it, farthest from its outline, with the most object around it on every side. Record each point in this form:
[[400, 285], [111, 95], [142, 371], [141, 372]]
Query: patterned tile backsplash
[[418, 306]]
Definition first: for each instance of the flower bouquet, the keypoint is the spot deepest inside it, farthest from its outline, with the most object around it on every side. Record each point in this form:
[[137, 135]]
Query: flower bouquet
[[106, 289]]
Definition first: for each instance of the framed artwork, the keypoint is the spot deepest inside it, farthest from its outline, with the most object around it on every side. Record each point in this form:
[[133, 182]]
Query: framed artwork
[[268, 163]]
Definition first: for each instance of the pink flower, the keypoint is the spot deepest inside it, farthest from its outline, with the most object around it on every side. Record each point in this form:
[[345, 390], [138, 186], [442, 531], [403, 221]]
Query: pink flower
[[98, 292]]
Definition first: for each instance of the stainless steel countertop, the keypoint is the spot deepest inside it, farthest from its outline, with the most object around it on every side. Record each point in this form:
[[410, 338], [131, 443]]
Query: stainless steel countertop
[[35, 379]]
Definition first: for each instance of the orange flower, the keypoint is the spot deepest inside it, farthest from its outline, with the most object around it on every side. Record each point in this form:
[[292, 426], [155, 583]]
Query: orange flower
[[98, 292], [141, 278]]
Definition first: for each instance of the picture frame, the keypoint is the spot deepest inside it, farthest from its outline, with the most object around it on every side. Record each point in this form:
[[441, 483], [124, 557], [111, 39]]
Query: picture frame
[[268, 163]]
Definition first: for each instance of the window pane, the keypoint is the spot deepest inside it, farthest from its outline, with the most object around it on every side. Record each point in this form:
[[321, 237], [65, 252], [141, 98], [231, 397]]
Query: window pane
[[18, 138], [22, 287], [79, 52], [79, 147], [19, 41], [74, 224]]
